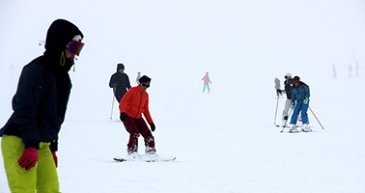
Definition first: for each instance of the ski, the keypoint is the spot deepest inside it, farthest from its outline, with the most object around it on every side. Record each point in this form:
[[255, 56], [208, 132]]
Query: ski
[[119, 159], [286, 126], [145, 158], [164, 159]]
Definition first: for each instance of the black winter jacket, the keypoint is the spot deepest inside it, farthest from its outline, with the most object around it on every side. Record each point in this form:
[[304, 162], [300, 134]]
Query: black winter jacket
[[38, 110], [288, 85], [120, 84], [43, 91]]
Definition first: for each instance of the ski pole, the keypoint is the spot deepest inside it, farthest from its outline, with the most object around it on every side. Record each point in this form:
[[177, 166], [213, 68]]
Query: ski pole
[[111, 113], [276, 109], [316, 118]]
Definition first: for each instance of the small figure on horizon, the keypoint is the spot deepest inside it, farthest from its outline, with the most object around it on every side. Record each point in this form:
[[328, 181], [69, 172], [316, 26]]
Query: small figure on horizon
[[357, 68], [334, 73], [206, 81], [350, 69], [138, 77], [119, 81]]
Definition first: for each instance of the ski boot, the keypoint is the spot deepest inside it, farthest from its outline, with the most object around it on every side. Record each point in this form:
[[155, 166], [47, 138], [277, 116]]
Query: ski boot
[[293, 129], [150, 150], [306, 128]]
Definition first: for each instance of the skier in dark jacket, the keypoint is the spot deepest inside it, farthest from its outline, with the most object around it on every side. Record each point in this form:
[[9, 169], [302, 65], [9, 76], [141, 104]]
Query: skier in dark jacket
[[300, 104], [30, 137], [288, 86], [119, 81]]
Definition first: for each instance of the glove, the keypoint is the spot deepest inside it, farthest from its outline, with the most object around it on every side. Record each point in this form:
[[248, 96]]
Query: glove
[[292, 105], [55, 158], [279, 92], [29, 158], [153, 127], [123, 116], [306, 101]]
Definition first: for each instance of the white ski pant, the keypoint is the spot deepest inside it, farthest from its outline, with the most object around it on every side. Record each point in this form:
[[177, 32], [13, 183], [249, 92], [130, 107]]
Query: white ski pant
[[286, 109]]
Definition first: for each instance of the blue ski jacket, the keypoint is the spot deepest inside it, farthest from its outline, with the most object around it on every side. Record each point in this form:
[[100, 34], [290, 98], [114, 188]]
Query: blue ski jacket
[[300, 92]]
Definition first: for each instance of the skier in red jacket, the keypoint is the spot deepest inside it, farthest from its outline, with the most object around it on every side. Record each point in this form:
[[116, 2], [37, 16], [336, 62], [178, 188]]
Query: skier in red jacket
[[132, 105]]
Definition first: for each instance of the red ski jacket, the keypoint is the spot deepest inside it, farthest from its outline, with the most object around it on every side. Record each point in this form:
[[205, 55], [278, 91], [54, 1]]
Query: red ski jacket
[[135, 103]]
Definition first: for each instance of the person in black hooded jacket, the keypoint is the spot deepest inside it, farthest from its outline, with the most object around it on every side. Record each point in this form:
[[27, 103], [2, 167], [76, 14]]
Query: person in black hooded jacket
[[120, 83], [30, 136]]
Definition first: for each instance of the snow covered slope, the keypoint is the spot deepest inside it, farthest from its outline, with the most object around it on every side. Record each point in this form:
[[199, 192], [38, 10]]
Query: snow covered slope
[[225, 142]]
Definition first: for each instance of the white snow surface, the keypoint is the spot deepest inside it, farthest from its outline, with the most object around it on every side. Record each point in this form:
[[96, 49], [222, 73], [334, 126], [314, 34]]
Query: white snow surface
[[225, 142]]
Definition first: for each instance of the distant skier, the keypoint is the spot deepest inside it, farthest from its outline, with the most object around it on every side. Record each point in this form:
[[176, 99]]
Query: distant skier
[[206, 81], [357, 68], [334, 73], [350, 70], [119, 81], [300, 104], [138, 77], [30, 137], [133, 104]]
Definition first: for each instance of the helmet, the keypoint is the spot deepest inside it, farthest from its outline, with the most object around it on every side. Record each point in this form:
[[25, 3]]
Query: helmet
[[287, 75]]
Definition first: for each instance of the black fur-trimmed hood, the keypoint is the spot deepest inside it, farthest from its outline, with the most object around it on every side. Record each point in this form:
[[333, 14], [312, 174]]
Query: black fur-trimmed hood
[[59, 34]]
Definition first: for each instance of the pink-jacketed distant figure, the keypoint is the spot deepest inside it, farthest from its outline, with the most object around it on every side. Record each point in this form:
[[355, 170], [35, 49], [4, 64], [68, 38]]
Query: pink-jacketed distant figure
[[207, 81]]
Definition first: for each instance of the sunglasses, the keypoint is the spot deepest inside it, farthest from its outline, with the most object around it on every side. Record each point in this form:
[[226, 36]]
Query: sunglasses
[[146, 85], [74, 47]]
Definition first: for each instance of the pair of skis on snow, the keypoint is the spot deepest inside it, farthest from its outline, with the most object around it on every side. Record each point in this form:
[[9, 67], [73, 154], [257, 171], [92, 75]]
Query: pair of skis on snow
[[299, 129], [287, 126]]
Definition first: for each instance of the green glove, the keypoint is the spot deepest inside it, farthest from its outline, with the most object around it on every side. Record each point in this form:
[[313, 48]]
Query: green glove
[[306, 101], [292, 105]]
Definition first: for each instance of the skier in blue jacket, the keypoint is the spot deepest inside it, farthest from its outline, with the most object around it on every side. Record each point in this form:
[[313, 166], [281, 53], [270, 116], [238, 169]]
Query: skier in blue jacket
[[300, 103]]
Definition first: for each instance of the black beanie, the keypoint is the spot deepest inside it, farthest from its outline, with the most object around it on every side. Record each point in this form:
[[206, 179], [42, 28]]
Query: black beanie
[[144, 79], [296, 78]]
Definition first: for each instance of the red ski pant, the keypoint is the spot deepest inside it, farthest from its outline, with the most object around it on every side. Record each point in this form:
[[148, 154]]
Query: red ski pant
[[135, 127]]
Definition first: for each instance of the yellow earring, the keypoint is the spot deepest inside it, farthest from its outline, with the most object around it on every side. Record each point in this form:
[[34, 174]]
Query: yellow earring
[[62, 59]]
